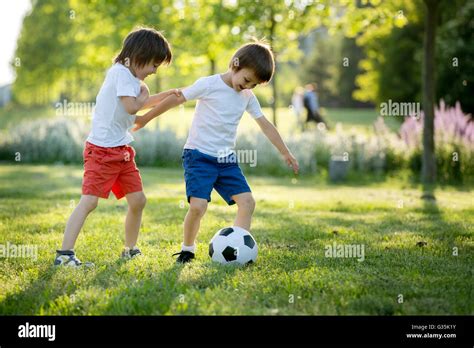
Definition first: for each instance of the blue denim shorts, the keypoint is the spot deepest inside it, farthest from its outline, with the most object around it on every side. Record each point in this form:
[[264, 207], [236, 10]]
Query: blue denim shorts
[[202, 173]]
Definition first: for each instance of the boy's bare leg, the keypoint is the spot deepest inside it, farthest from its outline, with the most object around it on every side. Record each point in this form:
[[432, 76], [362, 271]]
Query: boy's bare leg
[[192, 221], [73, 226], [136, 204], [246, 206]]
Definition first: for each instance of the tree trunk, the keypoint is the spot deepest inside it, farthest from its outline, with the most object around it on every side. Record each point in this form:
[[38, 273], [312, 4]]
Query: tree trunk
[[212, 66], [428, 171], [273, 82]]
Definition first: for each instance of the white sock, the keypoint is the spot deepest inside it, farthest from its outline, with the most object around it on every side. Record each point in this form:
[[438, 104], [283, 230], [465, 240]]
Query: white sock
[[191, 248]]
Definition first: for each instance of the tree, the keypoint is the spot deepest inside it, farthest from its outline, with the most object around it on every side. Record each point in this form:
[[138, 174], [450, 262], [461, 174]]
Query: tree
[[44, 52], [348, 72], [428, 170], [383, 16], [323, 66], [455, 66]]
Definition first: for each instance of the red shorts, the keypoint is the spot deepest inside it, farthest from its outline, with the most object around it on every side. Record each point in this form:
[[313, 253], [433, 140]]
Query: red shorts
[[110, 169]]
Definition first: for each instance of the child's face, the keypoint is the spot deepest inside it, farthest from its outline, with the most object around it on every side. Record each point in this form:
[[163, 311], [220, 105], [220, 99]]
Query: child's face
[[146, 70], [244, 79]]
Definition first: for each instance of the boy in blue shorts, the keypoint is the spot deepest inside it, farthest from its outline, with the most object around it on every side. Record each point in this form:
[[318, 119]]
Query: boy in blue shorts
[[209, 159]]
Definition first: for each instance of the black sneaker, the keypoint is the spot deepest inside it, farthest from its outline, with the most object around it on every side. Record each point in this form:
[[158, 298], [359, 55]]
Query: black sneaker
[[184, 256], [67, 258], [128, 253]]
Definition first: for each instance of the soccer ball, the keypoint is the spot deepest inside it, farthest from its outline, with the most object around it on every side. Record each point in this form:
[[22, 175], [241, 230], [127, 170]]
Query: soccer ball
[[233, 245]]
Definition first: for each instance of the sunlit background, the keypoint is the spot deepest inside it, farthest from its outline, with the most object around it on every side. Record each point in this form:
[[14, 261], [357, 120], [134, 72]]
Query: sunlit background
[[365, 59]]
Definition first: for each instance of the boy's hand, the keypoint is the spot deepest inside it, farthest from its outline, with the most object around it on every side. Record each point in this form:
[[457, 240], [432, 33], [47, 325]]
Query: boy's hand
[[144, 94], [292, 162], [176, 92], [139, 123], [167, 103]]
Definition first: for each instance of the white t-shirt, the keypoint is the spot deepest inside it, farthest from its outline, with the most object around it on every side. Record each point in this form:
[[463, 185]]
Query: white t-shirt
[[110, 121], [218, 112]]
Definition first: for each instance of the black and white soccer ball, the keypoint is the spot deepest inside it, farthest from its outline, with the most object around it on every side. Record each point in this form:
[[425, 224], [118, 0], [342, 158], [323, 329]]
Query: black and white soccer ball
[[233, 245]]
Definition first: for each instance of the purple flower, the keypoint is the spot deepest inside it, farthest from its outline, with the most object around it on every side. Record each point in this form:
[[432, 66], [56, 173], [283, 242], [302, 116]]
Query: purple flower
[[450, 123]]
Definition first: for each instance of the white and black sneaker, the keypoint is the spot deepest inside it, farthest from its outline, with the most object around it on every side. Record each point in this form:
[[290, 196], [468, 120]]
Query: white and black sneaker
[[67, 258], [130, 253]]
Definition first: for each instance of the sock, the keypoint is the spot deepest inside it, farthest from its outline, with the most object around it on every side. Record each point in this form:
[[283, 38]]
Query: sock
[[191, 248], [66, 252]]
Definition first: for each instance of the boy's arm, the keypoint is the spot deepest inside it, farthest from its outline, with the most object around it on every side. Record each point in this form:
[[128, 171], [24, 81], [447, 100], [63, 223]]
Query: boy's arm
[[154, 99], [133, 104], [169, 102], [272, 134]]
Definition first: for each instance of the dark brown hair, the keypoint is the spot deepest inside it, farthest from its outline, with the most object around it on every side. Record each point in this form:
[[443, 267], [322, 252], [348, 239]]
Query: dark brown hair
[[144, 45], [256, 56]]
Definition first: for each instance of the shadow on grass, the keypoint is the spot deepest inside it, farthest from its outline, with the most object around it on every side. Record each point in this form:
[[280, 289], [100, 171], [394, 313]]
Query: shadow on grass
[[158, 294], [150, 296], [355, 179], [355, 229], [44, 291], [30, 300], [414, 182]]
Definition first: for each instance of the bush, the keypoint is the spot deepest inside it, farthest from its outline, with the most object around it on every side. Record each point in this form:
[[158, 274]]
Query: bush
[[62, 140], [454, 144], [160, 148], [45, 141]]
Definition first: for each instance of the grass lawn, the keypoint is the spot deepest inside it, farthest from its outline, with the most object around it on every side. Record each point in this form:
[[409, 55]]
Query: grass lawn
[[293, 223], [361, 120]]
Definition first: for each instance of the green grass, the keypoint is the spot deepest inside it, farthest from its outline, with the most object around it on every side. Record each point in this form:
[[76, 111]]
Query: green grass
[[293, 223], [361, 120]]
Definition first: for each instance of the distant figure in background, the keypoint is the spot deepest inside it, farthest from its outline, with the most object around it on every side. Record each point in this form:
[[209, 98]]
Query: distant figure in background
[[297, 106], [311, 103]]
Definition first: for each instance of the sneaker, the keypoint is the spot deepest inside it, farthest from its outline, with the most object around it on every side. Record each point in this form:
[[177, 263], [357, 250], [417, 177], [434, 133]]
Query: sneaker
[[67, 258], [184, 256], [128, 253]]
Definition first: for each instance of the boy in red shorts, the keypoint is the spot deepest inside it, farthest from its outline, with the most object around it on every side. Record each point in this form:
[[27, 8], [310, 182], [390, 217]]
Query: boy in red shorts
[[109, 160]]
